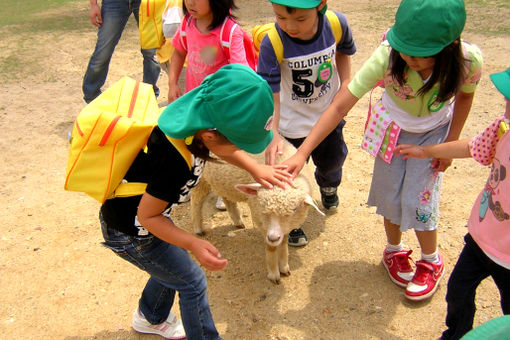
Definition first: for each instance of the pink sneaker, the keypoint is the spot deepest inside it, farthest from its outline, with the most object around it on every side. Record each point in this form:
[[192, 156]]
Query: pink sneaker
[[426, 280], [398, 266]]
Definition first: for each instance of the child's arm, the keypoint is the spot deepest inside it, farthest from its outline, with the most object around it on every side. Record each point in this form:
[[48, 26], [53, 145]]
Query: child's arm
[[276, 145], [342, 103], [264, 174], [449, 150], [343, 64], [150, 217], [176, 65], [463, 102]]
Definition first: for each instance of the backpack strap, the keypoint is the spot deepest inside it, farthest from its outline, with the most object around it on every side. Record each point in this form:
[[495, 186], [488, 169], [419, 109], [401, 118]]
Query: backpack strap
[[130, 189], [226, 33], [184, 23], [334, 22], [183, 150], [135, 188], [276, 42]]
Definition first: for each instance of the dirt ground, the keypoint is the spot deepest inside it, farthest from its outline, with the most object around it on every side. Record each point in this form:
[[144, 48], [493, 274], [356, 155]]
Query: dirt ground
[[58, 282]]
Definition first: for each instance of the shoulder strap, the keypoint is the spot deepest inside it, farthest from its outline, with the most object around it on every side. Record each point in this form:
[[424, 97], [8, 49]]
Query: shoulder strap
[[129, 189], [226, 32], [135, 188], [183, 150], [276, 41], [184, 23], [335, 25]]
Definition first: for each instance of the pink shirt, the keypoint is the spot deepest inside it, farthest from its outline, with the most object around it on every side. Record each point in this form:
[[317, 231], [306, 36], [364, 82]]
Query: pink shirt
[[489, 223], [205, 53]]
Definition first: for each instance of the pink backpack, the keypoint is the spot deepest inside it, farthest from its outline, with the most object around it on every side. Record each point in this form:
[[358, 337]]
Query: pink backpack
[[226, 32]]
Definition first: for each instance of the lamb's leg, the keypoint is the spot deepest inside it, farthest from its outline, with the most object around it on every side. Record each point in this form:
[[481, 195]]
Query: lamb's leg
[[272, 264], [198, 195], [234, 213], [283, 256]]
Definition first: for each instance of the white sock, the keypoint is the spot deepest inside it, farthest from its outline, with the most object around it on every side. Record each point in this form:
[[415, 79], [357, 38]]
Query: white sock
[[390, 248], [432, 258]]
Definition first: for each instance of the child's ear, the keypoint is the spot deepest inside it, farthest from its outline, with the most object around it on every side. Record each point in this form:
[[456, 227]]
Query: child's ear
[[208, 135], [321, 5]]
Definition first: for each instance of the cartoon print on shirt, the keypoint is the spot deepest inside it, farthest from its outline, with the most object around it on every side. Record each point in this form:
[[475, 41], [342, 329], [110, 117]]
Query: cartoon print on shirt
[[498, 174]]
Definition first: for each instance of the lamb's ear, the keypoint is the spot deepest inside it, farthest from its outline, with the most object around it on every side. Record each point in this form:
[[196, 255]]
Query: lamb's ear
[[249, 189], [309, 200]]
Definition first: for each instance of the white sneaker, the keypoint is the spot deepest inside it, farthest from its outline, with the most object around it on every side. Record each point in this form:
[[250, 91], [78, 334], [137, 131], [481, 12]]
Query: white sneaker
[[171, 328], [220, 205]]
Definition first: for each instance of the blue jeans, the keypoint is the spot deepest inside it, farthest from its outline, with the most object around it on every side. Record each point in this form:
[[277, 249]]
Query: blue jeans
[[329, 157], [472, 267], [115, 14], [171, 269]]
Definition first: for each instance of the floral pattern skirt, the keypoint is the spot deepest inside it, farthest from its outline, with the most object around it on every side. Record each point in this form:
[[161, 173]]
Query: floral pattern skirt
[[407, 191]]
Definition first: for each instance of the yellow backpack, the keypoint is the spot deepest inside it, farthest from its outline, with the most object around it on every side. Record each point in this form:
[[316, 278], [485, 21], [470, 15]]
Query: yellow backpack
[[260, 31], [107, 136], [150, 23]]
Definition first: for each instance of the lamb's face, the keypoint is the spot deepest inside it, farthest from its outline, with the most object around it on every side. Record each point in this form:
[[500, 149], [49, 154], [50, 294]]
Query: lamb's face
[[277, 211]]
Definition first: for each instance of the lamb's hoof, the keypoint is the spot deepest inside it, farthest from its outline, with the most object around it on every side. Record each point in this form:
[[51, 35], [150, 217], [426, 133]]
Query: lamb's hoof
[[240, 226], [274, 278], [199, 232], [285, 271]]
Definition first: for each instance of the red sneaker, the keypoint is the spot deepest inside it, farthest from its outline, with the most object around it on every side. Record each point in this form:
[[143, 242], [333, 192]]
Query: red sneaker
[[398, 266], [426, 280]]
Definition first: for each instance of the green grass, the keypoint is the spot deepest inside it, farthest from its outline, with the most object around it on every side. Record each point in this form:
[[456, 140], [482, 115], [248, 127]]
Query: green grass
[[32, 16], [20, 20]]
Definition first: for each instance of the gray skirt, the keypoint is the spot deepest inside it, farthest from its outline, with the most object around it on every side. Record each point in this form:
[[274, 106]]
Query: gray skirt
[[406, 191]]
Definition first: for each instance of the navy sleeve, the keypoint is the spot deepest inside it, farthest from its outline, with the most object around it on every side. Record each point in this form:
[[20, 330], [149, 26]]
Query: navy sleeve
[[268, 67], [346, 45]]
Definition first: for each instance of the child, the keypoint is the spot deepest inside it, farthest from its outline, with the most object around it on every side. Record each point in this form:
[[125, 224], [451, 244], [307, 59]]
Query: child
[[172, 17], [430, 76], [230, 111], [203, 44], [313, 68], [203, 47], [487, 249]]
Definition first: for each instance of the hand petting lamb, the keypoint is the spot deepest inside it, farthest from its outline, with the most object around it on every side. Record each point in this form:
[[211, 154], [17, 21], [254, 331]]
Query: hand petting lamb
[[274, 211]]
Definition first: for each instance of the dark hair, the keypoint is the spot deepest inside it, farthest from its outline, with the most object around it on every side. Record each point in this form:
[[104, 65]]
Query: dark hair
[[220, 9], [449, 71], [198, 149]]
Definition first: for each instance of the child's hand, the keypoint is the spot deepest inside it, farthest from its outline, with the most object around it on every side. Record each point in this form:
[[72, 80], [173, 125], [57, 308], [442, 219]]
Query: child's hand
[[274, 148], [410, 150], [270, 175], [441, 164], [208, 255], [174, 92], [295, 163]]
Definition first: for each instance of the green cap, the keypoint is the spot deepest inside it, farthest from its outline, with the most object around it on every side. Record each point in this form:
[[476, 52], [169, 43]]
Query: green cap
[[495, 329], [234, 100], [424, 27], [502, 82], [298, 3]]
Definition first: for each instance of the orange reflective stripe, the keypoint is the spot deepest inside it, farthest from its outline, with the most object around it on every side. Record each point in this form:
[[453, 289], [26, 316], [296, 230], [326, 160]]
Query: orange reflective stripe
[[109, 131], [133, 100]]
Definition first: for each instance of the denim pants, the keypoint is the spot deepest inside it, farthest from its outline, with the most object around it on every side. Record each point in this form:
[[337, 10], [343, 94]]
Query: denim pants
[[171, 269], [472, 267], [328, 157], [115, 14]]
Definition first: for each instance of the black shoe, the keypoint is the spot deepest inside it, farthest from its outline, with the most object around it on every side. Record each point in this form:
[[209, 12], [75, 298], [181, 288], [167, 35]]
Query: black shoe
[[329, 197], [297, 238]]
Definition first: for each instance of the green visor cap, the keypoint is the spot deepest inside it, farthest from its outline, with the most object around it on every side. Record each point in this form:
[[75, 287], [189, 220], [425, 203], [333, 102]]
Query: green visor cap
[[424, 27], [298, 3], [234, 100], [502, 82], [495, 329]]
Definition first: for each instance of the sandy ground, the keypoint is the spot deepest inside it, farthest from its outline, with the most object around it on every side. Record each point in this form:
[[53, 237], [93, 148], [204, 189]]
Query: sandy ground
[[58, 282]]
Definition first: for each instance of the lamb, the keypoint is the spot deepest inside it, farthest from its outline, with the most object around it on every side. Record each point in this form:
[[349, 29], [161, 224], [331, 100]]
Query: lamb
[[274, 211]]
